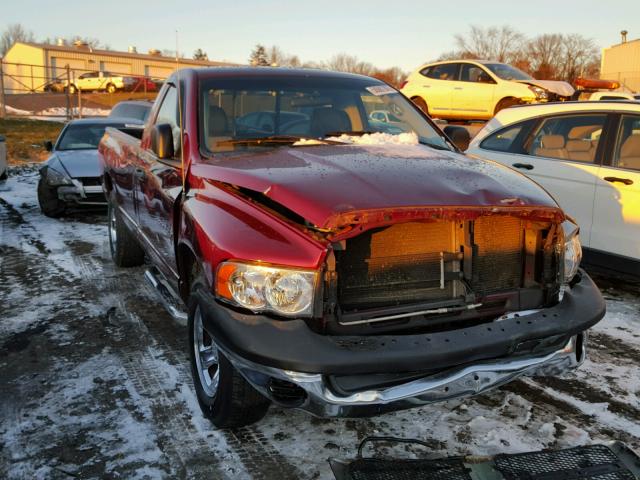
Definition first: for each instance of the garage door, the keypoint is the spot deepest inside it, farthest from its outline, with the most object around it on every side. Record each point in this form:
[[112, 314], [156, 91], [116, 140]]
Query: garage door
[[78, 67], [116, 68], [157, 72]]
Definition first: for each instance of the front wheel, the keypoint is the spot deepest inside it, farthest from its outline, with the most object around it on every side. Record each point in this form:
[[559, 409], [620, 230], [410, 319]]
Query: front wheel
[[225, 397], [421, 104], [111, 88], [48, 199], [125, 249], [506, 103]]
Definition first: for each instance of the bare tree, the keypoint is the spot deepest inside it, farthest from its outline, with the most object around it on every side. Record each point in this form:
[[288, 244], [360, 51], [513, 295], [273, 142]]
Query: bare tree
[[563, 57], [12, 34], [502, 44], [343, 62]]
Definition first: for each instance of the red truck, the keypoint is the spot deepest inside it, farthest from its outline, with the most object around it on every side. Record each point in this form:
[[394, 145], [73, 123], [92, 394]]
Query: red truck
[[331, 264]]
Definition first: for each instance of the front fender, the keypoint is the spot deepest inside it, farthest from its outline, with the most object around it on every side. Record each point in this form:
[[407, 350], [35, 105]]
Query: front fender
[[218, 225]]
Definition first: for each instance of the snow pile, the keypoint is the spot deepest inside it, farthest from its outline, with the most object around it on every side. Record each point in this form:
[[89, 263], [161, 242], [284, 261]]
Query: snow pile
[[378, 138], [59, 112]]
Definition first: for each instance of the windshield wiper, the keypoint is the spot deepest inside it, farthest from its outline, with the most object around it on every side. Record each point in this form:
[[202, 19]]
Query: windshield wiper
[[437, 146], [353, 134], [274, 139]]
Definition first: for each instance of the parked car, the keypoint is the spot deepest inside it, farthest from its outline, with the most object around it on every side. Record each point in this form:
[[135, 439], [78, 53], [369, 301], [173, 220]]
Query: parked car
[[99, 81], [384, 116], [600, 89], [587, 155], [3, 158], [72, 176], [476, 89], [132, 111], [143, 84], [56, 85], [345, 275]]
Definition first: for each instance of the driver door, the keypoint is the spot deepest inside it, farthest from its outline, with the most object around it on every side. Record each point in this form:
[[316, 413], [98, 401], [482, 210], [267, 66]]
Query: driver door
[[158, 186]]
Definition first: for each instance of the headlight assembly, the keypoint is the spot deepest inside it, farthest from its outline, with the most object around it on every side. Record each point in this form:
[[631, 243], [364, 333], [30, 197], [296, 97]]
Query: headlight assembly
[[540, 93], [284, 291], [55, 178], [572, 256]]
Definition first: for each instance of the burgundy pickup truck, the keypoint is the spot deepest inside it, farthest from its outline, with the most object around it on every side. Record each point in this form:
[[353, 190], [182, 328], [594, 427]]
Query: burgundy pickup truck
[[337, 263]]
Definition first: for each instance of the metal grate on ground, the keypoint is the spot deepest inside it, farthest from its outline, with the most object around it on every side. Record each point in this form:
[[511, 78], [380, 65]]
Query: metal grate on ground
[[377, 469], [594, 462]]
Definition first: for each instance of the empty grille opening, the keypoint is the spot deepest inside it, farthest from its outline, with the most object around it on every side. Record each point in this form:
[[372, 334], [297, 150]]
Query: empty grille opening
[[397, 265], [423, 262]]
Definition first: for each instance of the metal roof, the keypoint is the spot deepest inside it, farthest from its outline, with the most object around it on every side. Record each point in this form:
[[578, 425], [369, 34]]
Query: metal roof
[[114, 53]]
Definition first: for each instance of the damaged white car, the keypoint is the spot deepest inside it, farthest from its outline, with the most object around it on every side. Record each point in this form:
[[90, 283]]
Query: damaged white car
[[477, 89], [72, 176]]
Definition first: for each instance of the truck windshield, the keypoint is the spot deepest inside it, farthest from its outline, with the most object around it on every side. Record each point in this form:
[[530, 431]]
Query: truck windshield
[[235, 112], [82, 136]]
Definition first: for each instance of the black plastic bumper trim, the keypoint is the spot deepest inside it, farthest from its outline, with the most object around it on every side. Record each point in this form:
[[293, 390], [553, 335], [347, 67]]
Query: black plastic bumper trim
[[291, 345]]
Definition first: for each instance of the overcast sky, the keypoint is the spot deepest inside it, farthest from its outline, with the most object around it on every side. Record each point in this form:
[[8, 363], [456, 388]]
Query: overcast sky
[[385, 33]]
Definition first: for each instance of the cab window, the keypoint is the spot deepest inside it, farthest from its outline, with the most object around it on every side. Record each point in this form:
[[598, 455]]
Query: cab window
[[627, 152], [447, 71], [569, 137]]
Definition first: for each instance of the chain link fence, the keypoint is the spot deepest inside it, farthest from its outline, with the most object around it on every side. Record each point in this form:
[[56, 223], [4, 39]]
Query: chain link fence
[[68, 93]]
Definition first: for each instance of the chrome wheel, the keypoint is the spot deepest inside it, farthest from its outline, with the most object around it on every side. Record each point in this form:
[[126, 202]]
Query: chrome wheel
[[113, 232], [206, 355]]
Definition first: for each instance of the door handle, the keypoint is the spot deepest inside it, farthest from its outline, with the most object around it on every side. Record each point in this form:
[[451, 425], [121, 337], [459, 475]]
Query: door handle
[[526, 166], [626, 181], [140, 174], [457, 88]]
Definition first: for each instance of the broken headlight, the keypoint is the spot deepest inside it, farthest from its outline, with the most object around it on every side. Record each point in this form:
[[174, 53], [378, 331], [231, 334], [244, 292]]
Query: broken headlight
[[284, 291], [56, 178], [540, 93], [572, 256]]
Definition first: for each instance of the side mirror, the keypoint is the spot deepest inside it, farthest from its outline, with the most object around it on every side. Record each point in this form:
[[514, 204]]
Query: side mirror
[[162, 141], [459, 136], [48, 145]]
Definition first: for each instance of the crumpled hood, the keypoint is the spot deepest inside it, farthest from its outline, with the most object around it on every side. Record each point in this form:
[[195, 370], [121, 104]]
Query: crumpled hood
[[563, 89], [78, 163], [323, 182]]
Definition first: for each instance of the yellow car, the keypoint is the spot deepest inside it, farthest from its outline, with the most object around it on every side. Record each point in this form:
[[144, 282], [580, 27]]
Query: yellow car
[[477, 89]]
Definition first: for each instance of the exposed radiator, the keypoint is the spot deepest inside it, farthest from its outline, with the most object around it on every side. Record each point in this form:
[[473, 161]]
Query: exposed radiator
[[422, 262]]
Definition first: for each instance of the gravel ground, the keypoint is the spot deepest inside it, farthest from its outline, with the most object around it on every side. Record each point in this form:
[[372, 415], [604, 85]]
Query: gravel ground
[[95, 381]]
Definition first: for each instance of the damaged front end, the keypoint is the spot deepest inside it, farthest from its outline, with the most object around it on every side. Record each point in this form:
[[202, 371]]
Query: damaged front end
[[421, 305]]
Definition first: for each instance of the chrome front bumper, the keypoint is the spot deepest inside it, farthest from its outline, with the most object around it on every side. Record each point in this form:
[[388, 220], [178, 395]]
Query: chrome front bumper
[[320, 400]]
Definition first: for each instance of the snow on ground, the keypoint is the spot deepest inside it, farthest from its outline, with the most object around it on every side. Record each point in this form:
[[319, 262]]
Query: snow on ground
[[59, 113], [96, 382]]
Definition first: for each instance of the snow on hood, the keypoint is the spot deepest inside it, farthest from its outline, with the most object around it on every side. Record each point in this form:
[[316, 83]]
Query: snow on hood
[[558, 87], [377, 138]]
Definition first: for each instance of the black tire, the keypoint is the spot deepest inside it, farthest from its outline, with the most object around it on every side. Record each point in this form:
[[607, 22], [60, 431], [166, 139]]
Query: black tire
[[506, 103], [48, 199], [111, 88], [421, 104], [4, 175], [125, 249], [233, 402]]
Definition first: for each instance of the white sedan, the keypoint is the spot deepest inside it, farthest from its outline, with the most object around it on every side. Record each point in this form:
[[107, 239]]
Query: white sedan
[[587, 155]]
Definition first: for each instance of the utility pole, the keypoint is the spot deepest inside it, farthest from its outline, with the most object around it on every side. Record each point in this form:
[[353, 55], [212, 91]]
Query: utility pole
[[68, 94], [3, 103]]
